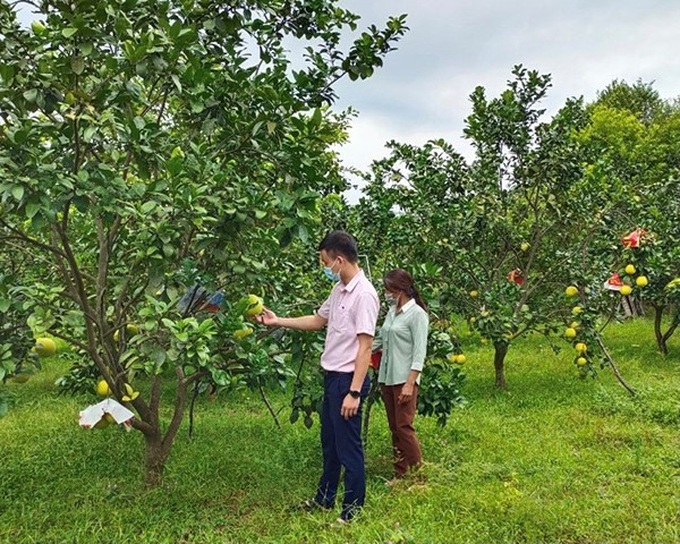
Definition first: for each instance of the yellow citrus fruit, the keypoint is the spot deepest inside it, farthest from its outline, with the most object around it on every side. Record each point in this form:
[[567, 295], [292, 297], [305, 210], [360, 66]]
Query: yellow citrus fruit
[[576, 310], [130, 330], [103, 388], [45, 347], [474, 294], [630, 269], [641, 281], [460, 359], [255, 305], [571, 291], [626, 290], [581, 361], [570, 332], [525, 246], [242, 333], [581, 347], [103, 423], [108, 417]]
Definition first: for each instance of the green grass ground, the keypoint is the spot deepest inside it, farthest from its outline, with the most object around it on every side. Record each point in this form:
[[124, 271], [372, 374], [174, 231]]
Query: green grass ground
[[556, 459]]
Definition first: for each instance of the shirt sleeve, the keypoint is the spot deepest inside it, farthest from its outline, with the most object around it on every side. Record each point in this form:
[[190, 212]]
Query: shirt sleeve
[[366, 314], [419, 328], [325, 309], [377, 341]]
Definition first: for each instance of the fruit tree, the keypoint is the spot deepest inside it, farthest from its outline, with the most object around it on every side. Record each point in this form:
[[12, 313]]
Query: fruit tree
[[149, 146]]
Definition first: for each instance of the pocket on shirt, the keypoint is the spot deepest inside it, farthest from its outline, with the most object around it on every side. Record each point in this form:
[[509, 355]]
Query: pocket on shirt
[[340, 321]]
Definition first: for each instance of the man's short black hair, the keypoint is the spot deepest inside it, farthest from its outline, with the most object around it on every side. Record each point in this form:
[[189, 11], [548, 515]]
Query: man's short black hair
[[339, 242]]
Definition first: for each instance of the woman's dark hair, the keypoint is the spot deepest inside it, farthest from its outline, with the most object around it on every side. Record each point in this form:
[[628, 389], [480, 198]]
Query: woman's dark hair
[[342, 243], [400, 280]]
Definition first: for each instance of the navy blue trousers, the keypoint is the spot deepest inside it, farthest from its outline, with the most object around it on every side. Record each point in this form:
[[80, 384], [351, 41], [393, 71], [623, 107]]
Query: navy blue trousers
[[341, 446]]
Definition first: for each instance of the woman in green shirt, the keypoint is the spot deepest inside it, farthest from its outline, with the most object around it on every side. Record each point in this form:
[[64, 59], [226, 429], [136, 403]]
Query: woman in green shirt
[[403, 340]]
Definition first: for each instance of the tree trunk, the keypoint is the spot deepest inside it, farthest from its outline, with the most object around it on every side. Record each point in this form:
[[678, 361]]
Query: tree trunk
[[660, 338], [500, 351], [613, 366], [158, 446], [154, 460]]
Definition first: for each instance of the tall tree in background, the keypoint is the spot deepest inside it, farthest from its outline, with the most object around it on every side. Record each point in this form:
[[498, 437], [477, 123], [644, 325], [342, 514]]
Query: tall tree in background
[[500, 238], [631, 140]]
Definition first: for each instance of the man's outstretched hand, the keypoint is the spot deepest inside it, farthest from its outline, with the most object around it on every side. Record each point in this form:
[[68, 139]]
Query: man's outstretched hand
[[267, 317]]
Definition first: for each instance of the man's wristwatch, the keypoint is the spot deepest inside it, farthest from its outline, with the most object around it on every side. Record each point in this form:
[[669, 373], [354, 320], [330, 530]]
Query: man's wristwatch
[[354, 394]]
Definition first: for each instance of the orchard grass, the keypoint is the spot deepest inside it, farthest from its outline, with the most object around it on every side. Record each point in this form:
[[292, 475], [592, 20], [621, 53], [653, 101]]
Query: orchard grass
[[555, 459]]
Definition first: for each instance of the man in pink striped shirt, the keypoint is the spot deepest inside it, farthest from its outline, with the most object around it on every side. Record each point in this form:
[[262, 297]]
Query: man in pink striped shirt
[[349, 315]]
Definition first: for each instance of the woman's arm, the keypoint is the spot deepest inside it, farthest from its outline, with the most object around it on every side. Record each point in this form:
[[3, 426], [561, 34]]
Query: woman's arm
[[419, 330]]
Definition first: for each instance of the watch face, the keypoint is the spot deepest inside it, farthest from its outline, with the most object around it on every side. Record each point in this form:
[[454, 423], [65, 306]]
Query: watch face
[[355, 394]]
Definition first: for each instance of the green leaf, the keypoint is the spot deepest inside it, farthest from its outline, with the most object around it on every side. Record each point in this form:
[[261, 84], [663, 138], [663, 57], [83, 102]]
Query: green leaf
[[89, 133], [77, 65], [176, 81], [286, 238], [31, 209], [149, 206], [7, 72], [18, 192], [69, 31], [316, 118], [31, 95], [303, 233], [220, 377]]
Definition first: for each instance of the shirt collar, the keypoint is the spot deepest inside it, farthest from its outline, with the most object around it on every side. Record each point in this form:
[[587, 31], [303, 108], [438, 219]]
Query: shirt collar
[[353, 282], [406, 307]]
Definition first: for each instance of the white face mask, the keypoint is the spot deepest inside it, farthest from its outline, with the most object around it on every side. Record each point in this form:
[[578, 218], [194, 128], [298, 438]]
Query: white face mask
[[328, 272], [391, 299]]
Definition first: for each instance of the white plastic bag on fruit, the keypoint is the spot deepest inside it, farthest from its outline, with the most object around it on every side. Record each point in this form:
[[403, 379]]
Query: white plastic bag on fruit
[[93, 414]]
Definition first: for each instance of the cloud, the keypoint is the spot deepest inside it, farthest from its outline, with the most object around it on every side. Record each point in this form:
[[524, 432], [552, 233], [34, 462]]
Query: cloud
[[422, 91]]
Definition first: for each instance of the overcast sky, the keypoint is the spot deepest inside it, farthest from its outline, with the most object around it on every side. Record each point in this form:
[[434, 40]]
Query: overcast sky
[[422, 90], [454, 45]]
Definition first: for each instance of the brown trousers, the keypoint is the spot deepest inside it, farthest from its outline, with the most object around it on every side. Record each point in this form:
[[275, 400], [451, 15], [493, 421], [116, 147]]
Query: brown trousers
[[400, 417]]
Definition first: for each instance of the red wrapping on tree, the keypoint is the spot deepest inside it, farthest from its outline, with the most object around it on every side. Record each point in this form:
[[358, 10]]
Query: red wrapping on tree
[[634, 238], [515, 276]]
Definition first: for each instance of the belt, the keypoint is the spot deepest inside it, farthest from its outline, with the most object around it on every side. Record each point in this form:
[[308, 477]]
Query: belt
[[336, 374]]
